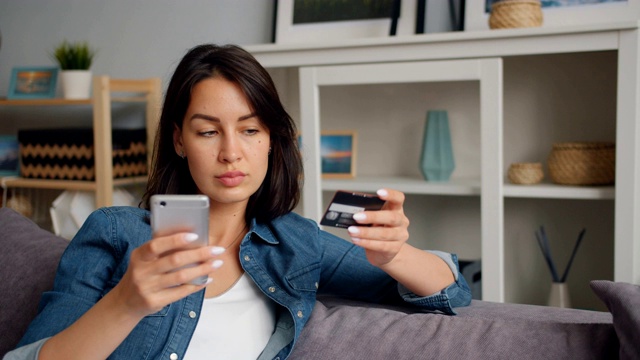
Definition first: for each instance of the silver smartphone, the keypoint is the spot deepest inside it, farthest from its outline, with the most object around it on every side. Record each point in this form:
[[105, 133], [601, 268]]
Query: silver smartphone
[[182, 213]]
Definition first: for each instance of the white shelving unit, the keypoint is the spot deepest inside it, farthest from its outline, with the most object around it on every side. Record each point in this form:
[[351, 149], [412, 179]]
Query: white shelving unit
[[302, 70]]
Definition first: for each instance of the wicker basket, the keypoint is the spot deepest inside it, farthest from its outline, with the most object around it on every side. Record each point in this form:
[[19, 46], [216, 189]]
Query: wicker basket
[[525, 173], [515, 14], [583, 163]]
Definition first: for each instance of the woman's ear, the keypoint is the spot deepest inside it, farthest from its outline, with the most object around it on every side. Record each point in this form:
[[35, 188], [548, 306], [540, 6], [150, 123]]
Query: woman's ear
[[177, 141]]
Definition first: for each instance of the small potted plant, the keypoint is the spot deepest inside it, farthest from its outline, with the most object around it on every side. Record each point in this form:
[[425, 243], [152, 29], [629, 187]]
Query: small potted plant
[[75, 62]]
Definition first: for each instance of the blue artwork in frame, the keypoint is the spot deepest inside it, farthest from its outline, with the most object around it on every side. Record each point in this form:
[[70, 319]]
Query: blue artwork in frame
[[33, 82], [9, 155], [338, 154]]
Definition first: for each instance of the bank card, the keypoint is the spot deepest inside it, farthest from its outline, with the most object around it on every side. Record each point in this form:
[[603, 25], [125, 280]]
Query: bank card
[[344, 204]]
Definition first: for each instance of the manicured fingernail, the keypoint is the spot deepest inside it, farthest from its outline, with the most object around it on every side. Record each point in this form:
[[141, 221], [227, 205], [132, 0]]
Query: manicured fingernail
[[217, 250], [209, 281], [382, 192], [190, 237], [355, 240], [359, 216], [217, 263], [353, 230]]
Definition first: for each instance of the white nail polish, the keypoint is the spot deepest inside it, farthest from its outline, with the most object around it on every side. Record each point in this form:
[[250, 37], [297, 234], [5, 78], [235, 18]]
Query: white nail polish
[[217, 250], [217, 263], [353, 230], [191, 237], [359, 216], [382, 192]]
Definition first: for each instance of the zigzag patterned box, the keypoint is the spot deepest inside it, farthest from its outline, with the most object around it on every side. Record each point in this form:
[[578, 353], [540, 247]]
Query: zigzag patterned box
[[67, 154]]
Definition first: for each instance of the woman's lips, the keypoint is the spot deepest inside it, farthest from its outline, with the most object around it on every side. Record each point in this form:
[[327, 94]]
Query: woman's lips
[[231, 178]]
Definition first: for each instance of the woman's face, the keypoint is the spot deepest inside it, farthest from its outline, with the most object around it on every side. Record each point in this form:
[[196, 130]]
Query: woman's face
[[225, 143]]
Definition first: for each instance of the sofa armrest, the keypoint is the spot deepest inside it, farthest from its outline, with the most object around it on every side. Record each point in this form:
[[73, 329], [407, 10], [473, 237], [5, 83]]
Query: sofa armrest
[[29, 257]]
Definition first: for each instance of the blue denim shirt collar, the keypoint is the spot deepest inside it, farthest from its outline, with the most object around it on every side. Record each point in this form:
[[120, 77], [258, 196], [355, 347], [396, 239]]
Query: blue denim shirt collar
[[264, 232]]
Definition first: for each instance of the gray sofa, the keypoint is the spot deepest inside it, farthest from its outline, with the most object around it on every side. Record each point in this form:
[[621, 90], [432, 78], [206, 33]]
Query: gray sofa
[[345, 329]]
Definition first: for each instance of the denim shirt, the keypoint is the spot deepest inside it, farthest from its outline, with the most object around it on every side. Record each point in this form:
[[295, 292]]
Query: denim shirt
[[290, 259]]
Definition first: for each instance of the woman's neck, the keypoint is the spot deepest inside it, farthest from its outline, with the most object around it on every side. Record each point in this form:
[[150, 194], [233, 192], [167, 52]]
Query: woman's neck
[[227, 224]]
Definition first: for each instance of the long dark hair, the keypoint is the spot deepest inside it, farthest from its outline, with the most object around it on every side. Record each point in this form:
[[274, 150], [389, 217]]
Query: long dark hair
[[169, 174]]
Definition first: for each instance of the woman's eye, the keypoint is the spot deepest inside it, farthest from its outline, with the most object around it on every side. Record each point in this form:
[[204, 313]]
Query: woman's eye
[[251, 131], [207, 133]]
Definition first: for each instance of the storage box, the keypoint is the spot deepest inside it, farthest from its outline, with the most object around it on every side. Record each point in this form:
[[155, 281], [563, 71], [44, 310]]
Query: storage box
[[67, 154]]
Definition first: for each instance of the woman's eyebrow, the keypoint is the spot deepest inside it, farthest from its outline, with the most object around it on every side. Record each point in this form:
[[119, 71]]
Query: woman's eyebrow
[[249, 116], [216, 119], [204, 117]]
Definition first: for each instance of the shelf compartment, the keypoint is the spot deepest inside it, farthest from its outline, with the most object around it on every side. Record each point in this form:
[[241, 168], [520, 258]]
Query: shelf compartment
[[44, 102], [9, 182], [408, 185], [554, 191], [67, 102]]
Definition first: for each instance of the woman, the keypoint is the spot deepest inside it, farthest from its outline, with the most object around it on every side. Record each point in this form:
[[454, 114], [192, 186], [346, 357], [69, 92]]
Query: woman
[[224, 133]]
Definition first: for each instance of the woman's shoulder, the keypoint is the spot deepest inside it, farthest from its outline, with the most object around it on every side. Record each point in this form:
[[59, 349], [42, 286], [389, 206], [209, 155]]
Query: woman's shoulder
[[294, 220], [125, 212], [115, 215], [125, 223]]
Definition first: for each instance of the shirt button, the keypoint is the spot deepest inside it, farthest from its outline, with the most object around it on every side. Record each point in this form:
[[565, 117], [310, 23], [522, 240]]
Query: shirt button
[[300, 314], [173, 356], [272, 289], [192, 314], [247, 258]]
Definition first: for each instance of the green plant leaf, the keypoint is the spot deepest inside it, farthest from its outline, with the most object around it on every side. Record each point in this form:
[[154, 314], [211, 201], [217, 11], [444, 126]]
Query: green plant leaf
[[73, 56]]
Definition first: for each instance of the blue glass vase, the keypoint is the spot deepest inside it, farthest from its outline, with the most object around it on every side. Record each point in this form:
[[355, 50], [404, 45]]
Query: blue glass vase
[[436, 161]]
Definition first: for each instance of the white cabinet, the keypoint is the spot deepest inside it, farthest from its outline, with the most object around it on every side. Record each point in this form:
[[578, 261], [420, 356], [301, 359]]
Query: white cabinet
[[493, 68], [488, 72]]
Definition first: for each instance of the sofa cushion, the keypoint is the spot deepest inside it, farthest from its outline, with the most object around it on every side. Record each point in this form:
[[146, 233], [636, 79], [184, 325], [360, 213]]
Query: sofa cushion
[[623, 301], [28, 262], [343, 329]]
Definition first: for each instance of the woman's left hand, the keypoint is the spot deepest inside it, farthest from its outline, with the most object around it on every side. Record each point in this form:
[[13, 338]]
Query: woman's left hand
[[388, 232]]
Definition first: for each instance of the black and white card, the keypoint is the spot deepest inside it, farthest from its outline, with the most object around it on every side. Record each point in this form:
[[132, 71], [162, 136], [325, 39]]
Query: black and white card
[[344, 204]]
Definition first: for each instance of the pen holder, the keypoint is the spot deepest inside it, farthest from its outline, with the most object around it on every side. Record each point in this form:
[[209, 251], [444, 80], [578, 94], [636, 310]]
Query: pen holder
[[559, 295]]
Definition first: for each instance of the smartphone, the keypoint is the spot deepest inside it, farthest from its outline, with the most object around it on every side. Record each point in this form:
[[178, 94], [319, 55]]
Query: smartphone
[[182, 213]]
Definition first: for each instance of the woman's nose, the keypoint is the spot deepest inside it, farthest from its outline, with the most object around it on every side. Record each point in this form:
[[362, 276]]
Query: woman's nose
[[229, 151]]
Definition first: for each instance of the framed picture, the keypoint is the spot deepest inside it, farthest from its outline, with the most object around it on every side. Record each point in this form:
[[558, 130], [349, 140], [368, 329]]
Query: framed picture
[[338, 154], [562, 12], [9, 156], [439, 16], [33, 82], [301, 21]]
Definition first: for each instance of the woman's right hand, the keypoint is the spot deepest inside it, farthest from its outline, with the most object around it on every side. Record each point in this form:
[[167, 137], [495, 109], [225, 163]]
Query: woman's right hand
[[157, 275]]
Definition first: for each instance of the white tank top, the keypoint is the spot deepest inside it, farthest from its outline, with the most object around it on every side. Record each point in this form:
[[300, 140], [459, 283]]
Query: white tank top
[[234, 325]]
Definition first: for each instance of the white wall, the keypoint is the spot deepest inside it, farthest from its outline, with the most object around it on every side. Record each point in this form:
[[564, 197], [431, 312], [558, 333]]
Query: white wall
[[143, 38], [134, 38]]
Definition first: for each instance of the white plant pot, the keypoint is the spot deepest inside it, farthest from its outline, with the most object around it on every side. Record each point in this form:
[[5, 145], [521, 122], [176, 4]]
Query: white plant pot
[[76, 84]]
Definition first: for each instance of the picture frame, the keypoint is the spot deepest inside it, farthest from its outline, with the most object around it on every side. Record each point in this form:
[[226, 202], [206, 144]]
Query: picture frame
[[33, 82], [9, 155], [563, 13], [338, 150], [285, 31]]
